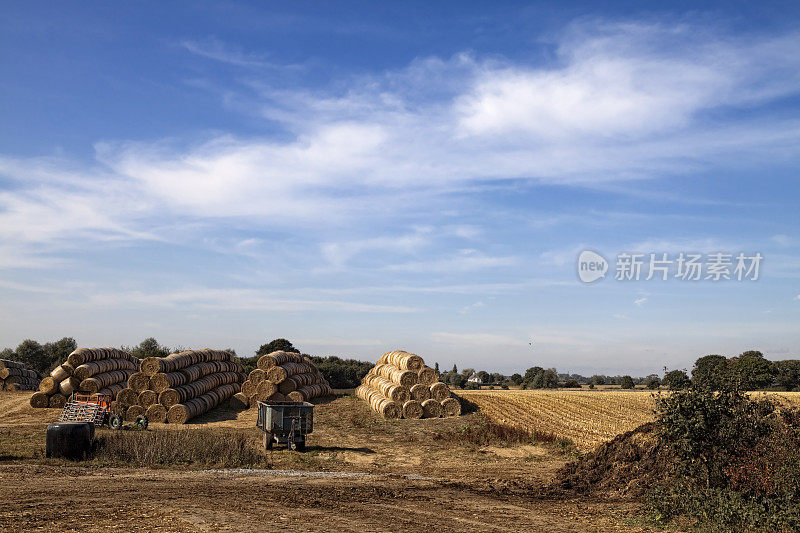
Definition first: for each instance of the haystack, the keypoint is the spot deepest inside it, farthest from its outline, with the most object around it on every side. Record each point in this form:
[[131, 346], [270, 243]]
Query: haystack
[[15, 376], [283, 376], [401, 386], [181, 386], [89, 371]]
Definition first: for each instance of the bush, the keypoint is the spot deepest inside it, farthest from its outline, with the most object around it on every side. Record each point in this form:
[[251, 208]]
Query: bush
[[737, 461], [572, 384], [626, 382], [342, 373]]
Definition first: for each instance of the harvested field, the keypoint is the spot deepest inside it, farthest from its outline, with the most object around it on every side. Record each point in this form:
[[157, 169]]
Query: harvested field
[[587, 418], [360, 473]]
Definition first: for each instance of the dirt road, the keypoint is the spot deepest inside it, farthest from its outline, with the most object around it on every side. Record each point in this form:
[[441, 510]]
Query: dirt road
[[68, 498]]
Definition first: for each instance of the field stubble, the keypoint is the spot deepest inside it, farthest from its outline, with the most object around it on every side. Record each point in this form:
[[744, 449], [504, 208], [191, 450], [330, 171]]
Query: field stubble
[[587, 418]]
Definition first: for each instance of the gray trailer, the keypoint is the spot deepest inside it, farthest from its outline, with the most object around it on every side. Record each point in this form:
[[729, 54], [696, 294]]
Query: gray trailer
[[285, 423]]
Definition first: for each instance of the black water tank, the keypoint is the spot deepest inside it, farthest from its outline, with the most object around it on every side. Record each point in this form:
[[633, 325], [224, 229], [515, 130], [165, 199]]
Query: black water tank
[[71, 440]]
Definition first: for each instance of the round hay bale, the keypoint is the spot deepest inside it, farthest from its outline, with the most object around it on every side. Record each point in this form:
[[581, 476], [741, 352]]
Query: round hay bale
[[151, 366], [440, 391], [139, 382], [68, 368], [277, 374], [134, 411], [412, 409], [147, 398], [117, 408], [427, 376], [49, 385], [57, 400], [127, 397], [169, 397], [40, 400], [156, 413], [404, 360], [66, 387], [420, 392], [266, 389], [59, 373], [248, 388], [265, 362], [240, 401], [451, 407], [257, 376], [287, 386], [277, 397], [432, 408], [295, 396]]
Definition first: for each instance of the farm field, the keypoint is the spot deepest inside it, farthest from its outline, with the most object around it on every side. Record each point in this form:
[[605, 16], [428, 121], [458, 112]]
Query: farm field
[[360, 473], [585, 417]]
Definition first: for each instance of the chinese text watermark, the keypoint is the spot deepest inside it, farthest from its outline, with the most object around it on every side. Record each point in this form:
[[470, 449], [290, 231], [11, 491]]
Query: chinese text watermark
[[682, 266]]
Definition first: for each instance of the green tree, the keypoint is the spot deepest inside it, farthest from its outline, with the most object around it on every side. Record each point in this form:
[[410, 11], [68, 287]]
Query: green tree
[[677, 380], [546, 379], [150, 348], [652, 382], [751, 371], [8, 354], [32, 354], [787, 374], [516, 378], [598, 379], [456, 380], [626, 382], [711, 372], [436, 367], [455, 369], [467, 372], [485, 377], [58, 351], [275, 345]]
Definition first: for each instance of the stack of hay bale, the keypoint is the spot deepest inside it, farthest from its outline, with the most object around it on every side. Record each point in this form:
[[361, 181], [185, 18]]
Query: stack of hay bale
[[283, 376], [180, 386], [401, 386], [14, 376], [86, 370]]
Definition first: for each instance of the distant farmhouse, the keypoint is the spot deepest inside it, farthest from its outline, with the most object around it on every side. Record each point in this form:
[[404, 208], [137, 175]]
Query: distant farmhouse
[[475, 378]]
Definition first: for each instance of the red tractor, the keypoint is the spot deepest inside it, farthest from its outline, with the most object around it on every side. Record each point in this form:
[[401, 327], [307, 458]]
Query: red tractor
[[96, 408]]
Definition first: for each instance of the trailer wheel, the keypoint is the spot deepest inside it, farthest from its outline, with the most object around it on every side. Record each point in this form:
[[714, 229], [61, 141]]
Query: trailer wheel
[[115, 422], [300, 445], [141, 422], [268, 440]]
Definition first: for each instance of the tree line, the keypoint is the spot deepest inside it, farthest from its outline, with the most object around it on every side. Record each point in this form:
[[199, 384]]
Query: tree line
[[749, 370]]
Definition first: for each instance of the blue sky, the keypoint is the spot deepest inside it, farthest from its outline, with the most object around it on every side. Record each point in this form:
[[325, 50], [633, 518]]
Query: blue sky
[[360, 177]]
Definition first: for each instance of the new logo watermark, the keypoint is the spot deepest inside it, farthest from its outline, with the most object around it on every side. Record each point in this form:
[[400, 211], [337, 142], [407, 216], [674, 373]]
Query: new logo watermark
[[682, 266], [591, 266]]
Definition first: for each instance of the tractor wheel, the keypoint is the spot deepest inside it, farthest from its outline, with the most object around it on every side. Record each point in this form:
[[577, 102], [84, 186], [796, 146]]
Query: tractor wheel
[[115, 422], [141, 422]]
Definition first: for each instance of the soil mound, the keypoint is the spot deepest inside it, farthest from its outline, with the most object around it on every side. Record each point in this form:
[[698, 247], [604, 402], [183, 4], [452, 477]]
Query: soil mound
[[626, 466]]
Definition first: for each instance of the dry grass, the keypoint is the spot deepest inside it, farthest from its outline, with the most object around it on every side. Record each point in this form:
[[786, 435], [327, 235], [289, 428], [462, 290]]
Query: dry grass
[[218, 448]]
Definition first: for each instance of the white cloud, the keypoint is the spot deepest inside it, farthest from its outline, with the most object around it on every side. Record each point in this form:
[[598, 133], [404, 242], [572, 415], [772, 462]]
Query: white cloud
[[620, 101], [640, 301], [797, 297]]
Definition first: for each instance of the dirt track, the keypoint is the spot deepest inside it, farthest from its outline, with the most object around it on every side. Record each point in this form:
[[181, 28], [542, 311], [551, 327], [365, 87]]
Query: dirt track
[[35, 497], [415, 482]]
